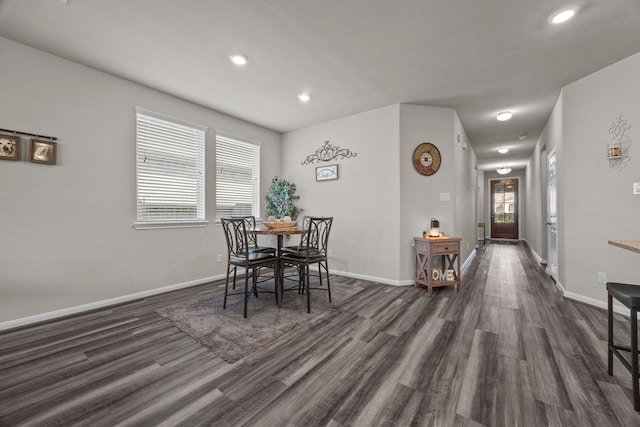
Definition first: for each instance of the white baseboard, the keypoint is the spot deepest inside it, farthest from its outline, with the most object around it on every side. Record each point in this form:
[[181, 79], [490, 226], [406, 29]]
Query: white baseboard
[[373, 279], [467, 261], [594, 302], [101, 304]]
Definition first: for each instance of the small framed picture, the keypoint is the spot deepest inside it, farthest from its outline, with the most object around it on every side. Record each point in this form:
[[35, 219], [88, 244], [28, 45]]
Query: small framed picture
[[43, 152], [326, 173], [9, 147]]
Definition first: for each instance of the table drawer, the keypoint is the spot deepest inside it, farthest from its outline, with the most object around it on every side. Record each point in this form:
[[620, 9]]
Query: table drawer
[[445, 248]]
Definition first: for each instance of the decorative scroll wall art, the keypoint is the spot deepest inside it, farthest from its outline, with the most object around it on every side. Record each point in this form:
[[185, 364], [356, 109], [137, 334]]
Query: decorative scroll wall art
[[619, 143], [327, 153]]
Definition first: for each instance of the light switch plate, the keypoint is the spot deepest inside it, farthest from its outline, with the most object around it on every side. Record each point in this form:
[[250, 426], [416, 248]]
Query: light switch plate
[[445, 197], [636, 188]]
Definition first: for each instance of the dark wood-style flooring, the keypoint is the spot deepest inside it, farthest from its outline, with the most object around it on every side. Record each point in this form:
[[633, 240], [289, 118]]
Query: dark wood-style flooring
[[507, 350]]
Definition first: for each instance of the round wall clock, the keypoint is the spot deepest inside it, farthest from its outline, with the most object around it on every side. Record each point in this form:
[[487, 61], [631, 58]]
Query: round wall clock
[[426, 158]]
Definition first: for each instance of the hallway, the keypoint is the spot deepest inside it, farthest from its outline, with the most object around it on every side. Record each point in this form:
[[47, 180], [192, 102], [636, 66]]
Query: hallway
[[506, 350]]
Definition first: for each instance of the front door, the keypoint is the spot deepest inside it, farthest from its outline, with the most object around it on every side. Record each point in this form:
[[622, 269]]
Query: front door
[[504, 209]]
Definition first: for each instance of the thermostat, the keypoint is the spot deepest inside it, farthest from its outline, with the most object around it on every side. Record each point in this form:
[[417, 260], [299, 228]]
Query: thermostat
[[636, 188]]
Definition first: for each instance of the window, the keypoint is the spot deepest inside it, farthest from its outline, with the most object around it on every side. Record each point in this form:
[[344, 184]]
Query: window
[[237, 178], [169, 171]]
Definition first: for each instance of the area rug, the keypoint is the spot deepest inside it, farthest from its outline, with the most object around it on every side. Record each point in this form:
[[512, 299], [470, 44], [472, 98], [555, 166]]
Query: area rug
[[232, 337]]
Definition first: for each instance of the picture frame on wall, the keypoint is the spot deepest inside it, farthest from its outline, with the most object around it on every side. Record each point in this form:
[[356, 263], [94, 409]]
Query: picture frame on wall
[[9, 147], [326, 173], [43, 152]]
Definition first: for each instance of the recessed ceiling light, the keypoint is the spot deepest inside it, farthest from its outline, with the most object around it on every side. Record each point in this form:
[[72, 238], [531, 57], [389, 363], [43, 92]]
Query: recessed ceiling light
[[503, 150], [563, 15], [504, 116], [238, 59], [304, 97]]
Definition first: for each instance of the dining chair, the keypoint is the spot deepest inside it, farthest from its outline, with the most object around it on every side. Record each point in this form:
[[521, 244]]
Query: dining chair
[[296, 248], [313, 251], [240, 255], [250, 222]]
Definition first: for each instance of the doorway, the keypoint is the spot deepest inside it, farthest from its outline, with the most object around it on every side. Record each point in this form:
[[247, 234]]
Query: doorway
[[552, 216], [504, 209]]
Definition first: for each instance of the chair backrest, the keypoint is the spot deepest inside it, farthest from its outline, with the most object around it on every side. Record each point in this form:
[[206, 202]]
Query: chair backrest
[[235, 231], [317, 237], [303, 237], [249, 222]]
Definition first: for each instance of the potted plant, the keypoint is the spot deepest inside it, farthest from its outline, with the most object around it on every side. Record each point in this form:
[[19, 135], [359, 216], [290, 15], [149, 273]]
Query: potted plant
[[281, 199]]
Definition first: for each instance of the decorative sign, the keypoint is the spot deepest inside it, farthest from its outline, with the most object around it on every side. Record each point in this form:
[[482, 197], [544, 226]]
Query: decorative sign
[[328, 152]]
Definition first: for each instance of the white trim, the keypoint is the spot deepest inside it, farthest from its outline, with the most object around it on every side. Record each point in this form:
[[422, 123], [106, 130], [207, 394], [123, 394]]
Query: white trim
[[534, 253], [169, 224], [104, 303], [596, 303], [466, 263], [373, 279]]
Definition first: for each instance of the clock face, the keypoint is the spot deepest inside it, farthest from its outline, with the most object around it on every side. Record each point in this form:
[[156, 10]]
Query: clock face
[[426, 159]]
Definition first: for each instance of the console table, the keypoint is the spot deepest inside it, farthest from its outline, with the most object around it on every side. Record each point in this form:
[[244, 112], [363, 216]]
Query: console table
[[437, 262]]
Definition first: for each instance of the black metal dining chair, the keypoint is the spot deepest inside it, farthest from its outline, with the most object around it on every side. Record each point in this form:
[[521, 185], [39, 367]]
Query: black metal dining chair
[[250, 222], [240, 255], [313, 251]]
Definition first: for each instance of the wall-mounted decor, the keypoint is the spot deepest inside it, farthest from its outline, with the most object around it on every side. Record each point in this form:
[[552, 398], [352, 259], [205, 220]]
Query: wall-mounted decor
[[619, 143], [426, 159], [326, 173], [327, 153], [42, 152], [9, 147]]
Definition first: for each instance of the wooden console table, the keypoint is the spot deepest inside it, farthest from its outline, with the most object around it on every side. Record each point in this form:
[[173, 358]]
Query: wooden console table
[[429, 272]]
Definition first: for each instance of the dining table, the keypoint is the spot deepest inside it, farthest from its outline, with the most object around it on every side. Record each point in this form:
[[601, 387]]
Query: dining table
[[279, 232]]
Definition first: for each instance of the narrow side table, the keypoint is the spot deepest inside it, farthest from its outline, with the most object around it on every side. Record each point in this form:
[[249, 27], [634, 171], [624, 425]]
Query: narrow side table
[[437, 262]]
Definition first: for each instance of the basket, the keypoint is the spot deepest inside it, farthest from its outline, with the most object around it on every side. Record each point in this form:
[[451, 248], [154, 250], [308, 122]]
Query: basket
[[280, 224]]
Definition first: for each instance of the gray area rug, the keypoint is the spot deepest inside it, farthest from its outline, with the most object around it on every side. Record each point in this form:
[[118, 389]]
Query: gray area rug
[[232, 337]]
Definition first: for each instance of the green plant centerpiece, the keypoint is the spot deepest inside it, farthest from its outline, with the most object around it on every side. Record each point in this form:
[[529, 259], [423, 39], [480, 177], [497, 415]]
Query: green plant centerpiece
[[281, 199]]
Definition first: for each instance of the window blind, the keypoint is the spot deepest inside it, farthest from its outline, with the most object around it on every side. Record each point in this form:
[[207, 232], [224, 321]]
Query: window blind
[[237, 178], [170, 169]]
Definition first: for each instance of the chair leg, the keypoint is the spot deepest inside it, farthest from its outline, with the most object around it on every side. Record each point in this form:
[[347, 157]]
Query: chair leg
[[246, 291], [610, 334], [634, 359], [308, 288], [276, 280], [326, 269], [255, 282], [226, 289]]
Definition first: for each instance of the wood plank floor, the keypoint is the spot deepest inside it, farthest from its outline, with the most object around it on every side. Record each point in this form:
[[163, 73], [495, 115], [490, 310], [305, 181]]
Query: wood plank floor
[[507, 350]]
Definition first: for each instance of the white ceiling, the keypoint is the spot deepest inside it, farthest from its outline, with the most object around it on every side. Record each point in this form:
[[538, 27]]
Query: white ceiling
[[477, 56]]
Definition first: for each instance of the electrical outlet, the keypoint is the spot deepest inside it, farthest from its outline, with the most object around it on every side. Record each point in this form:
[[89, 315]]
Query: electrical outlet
[[602, 278], [219, 258], [467, 245], [330, 253]]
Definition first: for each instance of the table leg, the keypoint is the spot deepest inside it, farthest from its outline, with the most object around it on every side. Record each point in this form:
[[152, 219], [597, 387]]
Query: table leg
[[280, 270]]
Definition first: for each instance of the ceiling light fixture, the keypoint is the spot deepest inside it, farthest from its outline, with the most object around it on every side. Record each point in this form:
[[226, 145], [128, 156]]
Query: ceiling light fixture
[[563, 15], [238, 59], [304, 97], [503, 150], [504, 116], [503, 170]]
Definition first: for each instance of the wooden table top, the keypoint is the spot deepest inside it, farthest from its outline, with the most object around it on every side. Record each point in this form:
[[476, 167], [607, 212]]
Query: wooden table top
[[630, 245], [263, 229], [439, 239]]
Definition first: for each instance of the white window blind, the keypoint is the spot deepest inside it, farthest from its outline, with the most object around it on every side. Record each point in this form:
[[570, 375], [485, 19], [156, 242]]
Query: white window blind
[[170, 170], [237, 178]]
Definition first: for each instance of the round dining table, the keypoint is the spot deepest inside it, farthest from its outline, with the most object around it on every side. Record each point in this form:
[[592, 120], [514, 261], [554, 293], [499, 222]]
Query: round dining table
[[279, 232]]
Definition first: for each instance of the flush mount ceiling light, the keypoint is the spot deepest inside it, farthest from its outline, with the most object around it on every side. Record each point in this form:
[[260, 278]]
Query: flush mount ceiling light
[[238, 59], [304, 97], [503, 170], [504, 116], [503, 150], [563, 15]]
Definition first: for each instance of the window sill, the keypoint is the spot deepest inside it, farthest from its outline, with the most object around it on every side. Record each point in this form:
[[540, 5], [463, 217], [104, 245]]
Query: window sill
[[169, 224]]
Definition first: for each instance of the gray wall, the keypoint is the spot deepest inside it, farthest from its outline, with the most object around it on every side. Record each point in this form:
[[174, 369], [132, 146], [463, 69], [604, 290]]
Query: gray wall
[[379, 201], [595, 202], [68, 236]]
